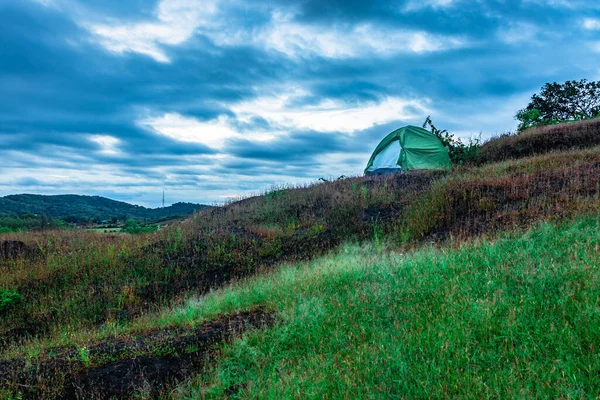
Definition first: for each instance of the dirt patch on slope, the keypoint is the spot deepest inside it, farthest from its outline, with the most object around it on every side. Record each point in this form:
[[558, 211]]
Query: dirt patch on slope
[[121, 367]]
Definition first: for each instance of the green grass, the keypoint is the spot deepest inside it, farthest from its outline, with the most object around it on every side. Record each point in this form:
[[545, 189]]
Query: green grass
[[514, 318]]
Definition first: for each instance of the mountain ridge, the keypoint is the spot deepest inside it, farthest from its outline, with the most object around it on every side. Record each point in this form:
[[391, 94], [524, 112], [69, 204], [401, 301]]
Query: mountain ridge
[[76, 206]]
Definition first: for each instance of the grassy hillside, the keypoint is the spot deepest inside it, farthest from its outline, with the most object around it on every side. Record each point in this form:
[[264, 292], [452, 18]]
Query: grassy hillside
[[567, 136], [78, 207], [501, 195], [511, 318]]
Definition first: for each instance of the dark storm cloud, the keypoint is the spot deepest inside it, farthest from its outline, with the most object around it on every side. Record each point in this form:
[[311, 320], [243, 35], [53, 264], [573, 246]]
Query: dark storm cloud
[[26, 182], [256, 168], [297, 146], [57, 93], [476, 18]]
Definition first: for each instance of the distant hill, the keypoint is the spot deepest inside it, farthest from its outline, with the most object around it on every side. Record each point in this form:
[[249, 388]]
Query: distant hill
[[75, 208]]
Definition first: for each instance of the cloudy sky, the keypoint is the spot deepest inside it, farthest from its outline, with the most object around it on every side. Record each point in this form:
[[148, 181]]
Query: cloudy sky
[[213, 99]]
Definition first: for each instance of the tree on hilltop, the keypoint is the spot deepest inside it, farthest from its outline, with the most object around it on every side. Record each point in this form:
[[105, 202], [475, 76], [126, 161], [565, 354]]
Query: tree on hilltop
[[556, 103]]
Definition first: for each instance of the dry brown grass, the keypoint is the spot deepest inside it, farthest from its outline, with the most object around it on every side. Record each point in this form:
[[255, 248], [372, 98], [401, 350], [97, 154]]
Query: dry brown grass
[[574, 135], [501, 196]]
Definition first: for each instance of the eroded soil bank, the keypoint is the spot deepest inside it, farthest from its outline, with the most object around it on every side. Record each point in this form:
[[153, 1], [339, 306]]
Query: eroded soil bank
[[120, 368]]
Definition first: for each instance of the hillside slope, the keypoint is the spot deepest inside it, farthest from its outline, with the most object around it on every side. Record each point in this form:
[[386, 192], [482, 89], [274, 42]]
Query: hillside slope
[[511, 318], [75, 305], [514, 317], [92, 207], [540, 140]]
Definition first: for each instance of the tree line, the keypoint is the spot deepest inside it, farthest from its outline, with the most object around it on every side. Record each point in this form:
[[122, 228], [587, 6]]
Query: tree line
[[557, 103]]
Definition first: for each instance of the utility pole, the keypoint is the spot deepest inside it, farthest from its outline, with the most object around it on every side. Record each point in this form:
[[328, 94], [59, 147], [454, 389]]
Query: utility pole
[[163, 199]]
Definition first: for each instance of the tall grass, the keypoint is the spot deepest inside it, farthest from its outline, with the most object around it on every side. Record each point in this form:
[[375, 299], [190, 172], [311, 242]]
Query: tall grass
[[540, 140], [500, 196], [74, 278], [512, 318]]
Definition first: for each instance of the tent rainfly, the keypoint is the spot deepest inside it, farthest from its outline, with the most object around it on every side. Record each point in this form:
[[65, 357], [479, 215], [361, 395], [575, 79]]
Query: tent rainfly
[[406, 149]]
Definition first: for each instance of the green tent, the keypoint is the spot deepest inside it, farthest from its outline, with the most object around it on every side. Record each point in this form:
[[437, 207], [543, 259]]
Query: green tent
[[408, 148]]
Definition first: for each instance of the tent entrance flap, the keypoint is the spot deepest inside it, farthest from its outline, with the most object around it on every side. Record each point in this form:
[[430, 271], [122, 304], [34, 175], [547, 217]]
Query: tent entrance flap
[[388, 157]]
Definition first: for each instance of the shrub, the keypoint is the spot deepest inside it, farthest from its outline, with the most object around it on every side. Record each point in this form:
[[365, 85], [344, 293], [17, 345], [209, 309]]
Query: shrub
[[132, 227], [8, 300], [458, 151]]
